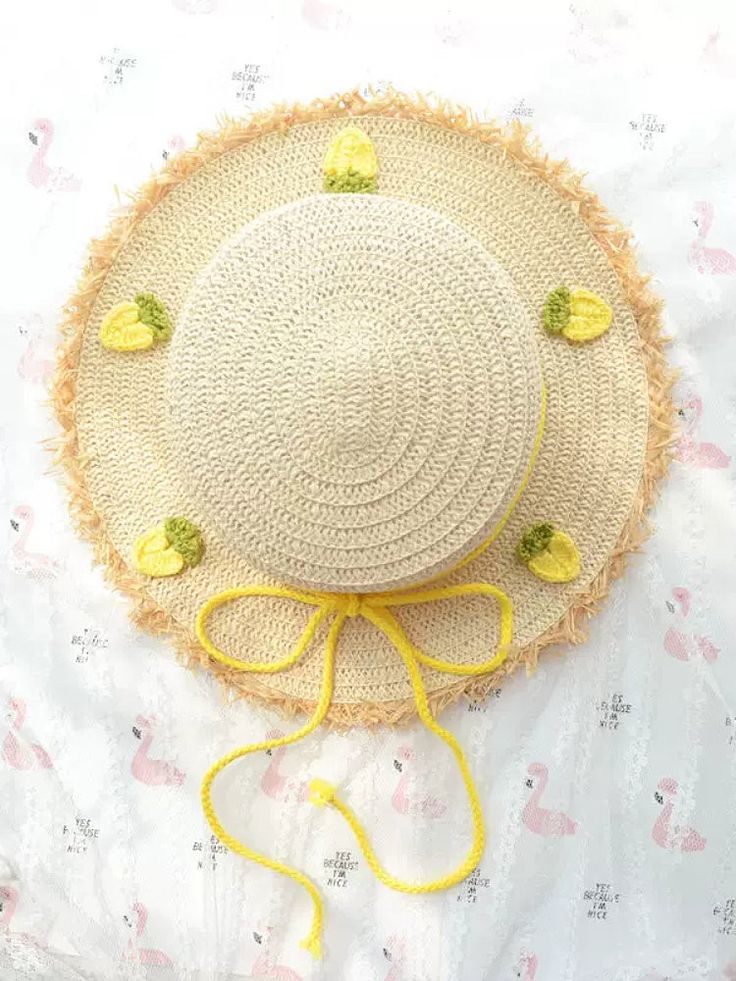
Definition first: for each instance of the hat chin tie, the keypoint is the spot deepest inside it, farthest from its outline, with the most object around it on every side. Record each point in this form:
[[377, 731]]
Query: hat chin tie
[[377, 609]]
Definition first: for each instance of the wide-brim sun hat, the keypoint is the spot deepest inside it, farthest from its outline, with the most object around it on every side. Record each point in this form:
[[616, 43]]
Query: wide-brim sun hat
[[370, 382], [352, 407]]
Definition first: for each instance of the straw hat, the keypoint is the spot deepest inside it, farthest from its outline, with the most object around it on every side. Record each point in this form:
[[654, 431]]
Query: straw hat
[[351, 349]]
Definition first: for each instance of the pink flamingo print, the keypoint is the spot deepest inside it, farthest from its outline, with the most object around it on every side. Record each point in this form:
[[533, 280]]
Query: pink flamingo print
[[274, 783], [401, 800], [538, 819], [677, 642], [712, 55], [717, 262], [8, 905], [265, 967], [323, 16], [39, 172], [395, 952], [667, 835], [144, 955], [456, 33], [145, 769], [704, 455], [13, 752], [173, 146], [35, 565], [33, 365], [710, 48], [526, 967], [36, 363], [9, 901]]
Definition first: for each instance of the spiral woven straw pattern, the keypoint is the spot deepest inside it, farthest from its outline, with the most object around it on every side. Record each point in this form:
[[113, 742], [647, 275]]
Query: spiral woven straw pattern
[[605, 442], [363, 393]]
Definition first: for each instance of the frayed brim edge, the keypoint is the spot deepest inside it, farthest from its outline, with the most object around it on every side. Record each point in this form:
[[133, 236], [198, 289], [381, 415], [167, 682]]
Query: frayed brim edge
[[517, 143]]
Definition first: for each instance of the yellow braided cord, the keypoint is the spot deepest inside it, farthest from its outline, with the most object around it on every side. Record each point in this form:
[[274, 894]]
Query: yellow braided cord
[[312, 942], [322, 793], [269, 667], [386, 600], [376, 608]]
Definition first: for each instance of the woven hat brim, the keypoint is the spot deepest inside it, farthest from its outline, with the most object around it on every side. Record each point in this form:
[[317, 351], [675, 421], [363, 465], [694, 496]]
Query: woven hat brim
[[631, 405]]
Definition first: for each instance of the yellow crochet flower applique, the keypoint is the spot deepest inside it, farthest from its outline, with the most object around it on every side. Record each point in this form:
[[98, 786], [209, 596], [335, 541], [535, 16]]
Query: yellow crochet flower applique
[[577, 314], [136, 326], [350, 164], [549, 553], [168, 548]]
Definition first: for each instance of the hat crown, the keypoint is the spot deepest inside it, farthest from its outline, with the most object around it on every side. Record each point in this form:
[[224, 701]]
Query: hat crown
[[363, 393], [347, 380]]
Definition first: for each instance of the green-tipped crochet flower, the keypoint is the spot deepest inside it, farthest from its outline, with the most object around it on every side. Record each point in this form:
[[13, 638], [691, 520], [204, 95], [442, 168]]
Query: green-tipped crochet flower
[[548, 553], [136, 326], [167, 549], [350, 164], [578, 314]]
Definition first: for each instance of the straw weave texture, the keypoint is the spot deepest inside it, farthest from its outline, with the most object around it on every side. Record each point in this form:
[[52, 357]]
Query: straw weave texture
[[362, 393]]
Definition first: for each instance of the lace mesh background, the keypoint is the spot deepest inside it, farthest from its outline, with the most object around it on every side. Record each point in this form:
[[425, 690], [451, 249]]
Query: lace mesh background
[[107, 870]]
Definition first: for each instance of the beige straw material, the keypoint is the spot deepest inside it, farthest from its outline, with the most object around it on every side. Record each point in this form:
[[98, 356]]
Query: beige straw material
[[363, 393], [608, 431]]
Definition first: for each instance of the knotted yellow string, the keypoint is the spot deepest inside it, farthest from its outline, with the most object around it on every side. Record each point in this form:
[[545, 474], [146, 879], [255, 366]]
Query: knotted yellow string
[[376, 608]]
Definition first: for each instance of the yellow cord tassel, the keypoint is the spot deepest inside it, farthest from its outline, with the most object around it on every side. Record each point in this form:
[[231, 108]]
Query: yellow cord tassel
[[376, 609]]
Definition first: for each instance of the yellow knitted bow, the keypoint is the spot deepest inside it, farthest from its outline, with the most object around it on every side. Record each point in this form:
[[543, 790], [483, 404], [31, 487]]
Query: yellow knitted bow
[[376, 608]]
